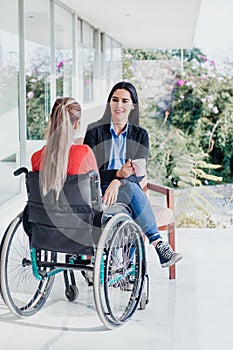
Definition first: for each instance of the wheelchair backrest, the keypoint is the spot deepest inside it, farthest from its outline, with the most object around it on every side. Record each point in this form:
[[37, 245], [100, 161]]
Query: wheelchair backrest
[[64, 224]]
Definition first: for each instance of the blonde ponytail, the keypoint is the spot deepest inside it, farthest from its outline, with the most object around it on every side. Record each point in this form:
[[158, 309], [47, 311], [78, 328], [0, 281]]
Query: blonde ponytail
[[65, 113]]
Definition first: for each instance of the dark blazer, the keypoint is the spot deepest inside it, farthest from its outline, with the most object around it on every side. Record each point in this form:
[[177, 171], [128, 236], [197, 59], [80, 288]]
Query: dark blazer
[[98, 137]]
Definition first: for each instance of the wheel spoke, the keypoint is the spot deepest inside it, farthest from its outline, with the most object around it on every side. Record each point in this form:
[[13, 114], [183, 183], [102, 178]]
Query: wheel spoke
[[119, 271], [22, 292]]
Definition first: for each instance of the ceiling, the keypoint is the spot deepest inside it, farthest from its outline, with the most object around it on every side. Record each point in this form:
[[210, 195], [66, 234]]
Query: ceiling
[[143, 23]]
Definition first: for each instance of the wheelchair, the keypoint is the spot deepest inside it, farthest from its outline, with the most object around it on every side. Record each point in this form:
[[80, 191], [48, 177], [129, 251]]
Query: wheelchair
[[52, 236]]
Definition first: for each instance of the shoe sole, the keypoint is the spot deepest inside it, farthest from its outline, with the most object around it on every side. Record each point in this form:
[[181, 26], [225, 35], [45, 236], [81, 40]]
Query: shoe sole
[[174, 259], [128, 287]]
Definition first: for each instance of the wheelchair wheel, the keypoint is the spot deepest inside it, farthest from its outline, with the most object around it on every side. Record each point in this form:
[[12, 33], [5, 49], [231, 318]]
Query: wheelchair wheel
[[72, 292], [119, 271], [22, 292]]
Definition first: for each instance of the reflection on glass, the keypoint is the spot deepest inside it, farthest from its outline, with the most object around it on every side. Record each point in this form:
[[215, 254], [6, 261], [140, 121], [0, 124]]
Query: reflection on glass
[[116, 62], [63, 43], [88, 75], [108, 60], [88, 54], [37, 53], [9, 111]]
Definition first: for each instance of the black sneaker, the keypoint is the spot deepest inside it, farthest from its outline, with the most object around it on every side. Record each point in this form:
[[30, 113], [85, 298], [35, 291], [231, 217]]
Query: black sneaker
[[166, 255]]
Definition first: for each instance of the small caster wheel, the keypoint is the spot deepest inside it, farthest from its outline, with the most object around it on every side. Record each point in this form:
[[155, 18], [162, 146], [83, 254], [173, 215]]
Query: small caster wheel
[[72, 292], [143, 302]]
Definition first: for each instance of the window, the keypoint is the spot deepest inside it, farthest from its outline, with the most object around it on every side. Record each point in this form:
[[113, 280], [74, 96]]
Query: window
[[116, 62], [37, 54], [9, 111], [63, 44], [86, 58], [108, 60]]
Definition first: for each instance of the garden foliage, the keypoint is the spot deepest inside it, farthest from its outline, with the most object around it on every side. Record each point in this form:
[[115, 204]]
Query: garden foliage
[[191, 141]]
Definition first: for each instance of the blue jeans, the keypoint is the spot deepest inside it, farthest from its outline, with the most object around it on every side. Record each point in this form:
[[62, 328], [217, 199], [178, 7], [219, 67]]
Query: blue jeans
[[132, 195]]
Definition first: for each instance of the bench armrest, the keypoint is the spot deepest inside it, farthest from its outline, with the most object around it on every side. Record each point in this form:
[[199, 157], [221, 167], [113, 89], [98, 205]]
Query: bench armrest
[[167, 191]]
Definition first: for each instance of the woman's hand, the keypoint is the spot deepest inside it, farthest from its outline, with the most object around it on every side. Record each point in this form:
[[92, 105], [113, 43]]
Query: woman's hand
[[111, 193], [126, 170]]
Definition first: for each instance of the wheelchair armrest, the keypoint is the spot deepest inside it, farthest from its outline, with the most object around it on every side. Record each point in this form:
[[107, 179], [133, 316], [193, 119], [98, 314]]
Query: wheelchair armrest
[[95, 190]]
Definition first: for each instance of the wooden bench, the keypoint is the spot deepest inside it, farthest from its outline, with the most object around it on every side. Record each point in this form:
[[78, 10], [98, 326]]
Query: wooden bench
[[164, 215]]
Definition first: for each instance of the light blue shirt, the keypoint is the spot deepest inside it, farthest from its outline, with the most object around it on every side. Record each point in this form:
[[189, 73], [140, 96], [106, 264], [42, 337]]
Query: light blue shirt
[[118, 148]]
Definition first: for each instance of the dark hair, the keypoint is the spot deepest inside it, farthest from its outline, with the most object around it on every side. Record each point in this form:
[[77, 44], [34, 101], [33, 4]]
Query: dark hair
[[134, 114]]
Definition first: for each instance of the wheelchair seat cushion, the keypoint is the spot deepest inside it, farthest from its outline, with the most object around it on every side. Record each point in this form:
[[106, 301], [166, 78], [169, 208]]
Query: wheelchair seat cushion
[[64, 224]]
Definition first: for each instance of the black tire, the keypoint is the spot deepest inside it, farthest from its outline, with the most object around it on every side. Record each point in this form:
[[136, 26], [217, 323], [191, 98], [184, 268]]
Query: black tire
[[119, 278], [72, 292], [22, 292]]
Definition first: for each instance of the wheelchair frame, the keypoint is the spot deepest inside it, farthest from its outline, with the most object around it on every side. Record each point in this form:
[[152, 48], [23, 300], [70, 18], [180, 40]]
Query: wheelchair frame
[[120, 286]]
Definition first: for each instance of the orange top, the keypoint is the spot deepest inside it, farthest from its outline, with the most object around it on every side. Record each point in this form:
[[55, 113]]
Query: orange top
[[81, 160]]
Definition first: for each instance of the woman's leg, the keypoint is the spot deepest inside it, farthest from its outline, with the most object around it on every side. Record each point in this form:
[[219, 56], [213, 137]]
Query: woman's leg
[[132, 195]]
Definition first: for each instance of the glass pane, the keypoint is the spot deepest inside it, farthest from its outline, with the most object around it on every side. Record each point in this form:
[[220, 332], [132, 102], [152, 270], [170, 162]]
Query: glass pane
[[86, 31], [116, 62], [86, 60], [108, 60], [9, 111], [37, 53], [88, 75], [63, 42]]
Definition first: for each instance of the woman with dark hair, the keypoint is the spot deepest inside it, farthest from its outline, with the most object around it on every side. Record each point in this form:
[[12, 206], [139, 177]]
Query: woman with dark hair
[[117, 142], [134, 113]]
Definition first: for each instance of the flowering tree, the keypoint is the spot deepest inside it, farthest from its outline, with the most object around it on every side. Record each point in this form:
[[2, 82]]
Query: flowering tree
[[191, 140], [37, 99], [203, 109], [38, 89]]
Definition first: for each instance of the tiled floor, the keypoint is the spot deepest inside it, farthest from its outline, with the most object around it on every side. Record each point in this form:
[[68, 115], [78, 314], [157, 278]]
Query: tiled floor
[[193, 312]]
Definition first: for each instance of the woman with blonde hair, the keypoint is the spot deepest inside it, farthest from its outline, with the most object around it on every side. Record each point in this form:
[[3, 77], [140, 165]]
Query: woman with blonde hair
[[60, 212], [60, 156]]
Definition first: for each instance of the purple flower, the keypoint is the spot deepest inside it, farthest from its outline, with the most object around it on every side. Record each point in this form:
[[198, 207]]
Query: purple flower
[[213, 63], [203, 58], [60, 65], [180, 82]]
